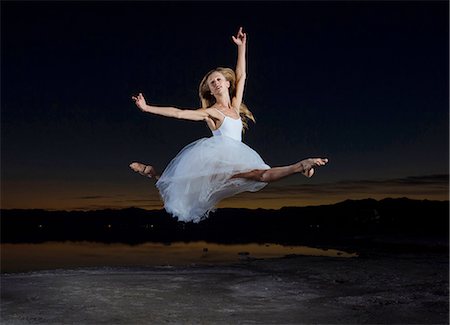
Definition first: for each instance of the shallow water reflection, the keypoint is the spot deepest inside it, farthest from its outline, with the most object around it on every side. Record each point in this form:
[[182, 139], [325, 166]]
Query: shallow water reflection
[[30, 257]]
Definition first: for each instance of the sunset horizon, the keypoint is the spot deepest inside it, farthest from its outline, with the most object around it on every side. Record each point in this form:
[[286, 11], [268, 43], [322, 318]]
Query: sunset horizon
[[144, 195]]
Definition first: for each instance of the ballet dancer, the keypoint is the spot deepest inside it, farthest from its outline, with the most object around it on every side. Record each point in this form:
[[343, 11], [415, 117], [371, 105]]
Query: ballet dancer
[[211, 169]]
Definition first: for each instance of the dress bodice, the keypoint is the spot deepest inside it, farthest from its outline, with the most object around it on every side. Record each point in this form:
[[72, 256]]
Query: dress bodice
[[230, 127]]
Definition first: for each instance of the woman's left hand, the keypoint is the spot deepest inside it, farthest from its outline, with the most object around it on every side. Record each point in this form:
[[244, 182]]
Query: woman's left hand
[[139, 100], [241, 38]]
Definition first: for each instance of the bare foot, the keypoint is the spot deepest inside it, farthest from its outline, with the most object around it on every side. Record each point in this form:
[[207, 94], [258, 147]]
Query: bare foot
[[144, 170], [307, 165]]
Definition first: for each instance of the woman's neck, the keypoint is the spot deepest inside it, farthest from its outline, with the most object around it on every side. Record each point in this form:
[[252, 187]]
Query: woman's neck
[[223, 101], [221, 105]]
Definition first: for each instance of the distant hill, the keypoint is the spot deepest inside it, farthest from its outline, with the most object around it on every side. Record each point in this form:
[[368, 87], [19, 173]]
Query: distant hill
[[346, 220]]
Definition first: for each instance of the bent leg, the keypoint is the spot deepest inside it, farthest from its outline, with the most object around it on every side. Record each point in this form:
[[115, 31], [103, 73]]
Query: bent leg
[[276, 173]]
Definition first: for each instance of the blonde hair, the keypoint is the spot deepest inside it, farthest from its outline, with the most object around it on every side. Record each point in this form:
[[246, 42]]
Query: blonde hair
[[208, 100]]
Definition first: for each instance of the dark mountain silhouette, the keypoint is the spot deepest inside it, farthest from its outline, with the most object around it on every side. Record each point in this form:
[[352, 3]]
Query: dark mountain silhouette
[[344, 222]]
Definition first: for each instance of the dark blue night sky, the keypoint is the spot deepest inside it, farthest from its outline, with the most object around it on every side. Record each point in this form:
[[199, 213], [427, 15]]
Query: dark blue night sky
[[364, 83]]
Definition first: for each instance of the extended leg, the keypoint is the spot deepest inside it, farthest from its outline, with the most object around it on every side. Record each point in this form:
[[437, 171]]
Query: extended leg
[[144, 170], [276, 173]]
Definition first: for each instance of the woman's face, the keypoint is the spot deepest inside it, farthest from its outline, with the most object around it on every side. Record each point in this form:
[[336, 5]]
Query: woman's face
[[217, 83]]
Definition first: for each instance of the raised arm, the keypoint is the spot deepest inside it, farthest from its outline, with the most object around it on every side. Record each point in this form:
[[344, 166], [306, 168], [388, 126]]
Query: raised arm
[[241, 41], [168, 111]]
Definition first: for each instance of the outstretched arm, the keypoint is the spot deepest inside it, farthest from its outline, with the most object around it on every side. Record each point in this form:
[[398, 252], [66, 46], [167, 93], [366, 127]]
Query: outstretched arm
[[241, 41], [186, 114]]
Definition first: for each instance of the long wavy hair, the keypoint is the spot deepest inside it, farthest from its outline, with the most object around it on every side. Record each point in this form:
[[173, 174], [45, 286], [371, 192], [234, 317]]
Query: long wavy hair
[[208, 100]]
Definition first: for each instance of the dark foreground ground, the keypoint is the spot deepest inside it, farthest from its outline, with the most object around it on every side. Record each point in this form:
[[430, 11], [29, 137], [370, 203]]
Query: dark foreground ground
[[375, 288]]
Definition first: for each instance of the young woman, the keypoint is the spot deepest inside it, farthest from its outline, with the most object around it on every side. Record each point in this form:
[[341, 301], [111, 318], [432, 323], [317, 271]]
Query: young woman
[[211, 169]]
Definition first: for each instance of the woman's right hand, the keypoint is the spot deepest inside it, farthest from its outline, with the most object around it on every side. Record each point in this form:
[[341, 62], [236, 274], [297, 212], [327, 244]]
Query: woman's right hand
[[139, 100]]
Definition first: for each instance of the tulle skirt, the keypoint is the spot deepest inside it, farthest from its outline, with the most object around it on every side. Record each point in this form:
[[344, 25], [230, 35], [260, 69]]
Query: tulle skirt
[[200, 176]]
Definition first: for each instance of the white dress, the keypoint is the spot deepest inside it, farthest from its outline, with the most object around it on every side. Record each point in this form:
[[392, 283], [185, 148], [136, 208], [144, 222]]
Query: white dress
[[200, 175]]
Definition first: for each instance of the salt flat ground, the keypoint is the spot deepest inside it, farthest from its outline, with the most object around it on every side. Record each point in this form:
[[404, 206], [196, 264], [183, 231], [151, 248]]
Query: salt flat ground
[[371, 289]]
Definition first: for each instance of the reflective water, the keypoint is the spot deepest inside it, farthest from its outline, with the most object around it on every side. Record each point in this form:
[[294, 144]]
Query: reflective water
[[51, 255]]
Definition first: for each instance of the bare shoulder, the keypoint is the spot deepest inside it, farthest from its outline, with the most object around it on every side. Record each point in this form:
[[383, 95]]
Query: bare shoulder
[[214, 119], [213, 113]]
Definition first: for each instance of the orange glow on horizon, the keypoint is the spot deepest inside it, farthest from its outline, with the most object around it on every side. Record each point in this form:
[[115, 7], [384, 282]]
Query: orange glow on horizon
[[56, 195]]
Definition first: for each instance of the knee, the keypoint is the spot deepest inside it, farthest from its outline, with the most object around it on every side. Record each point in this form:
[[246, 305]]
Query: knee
[[262, 176]]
